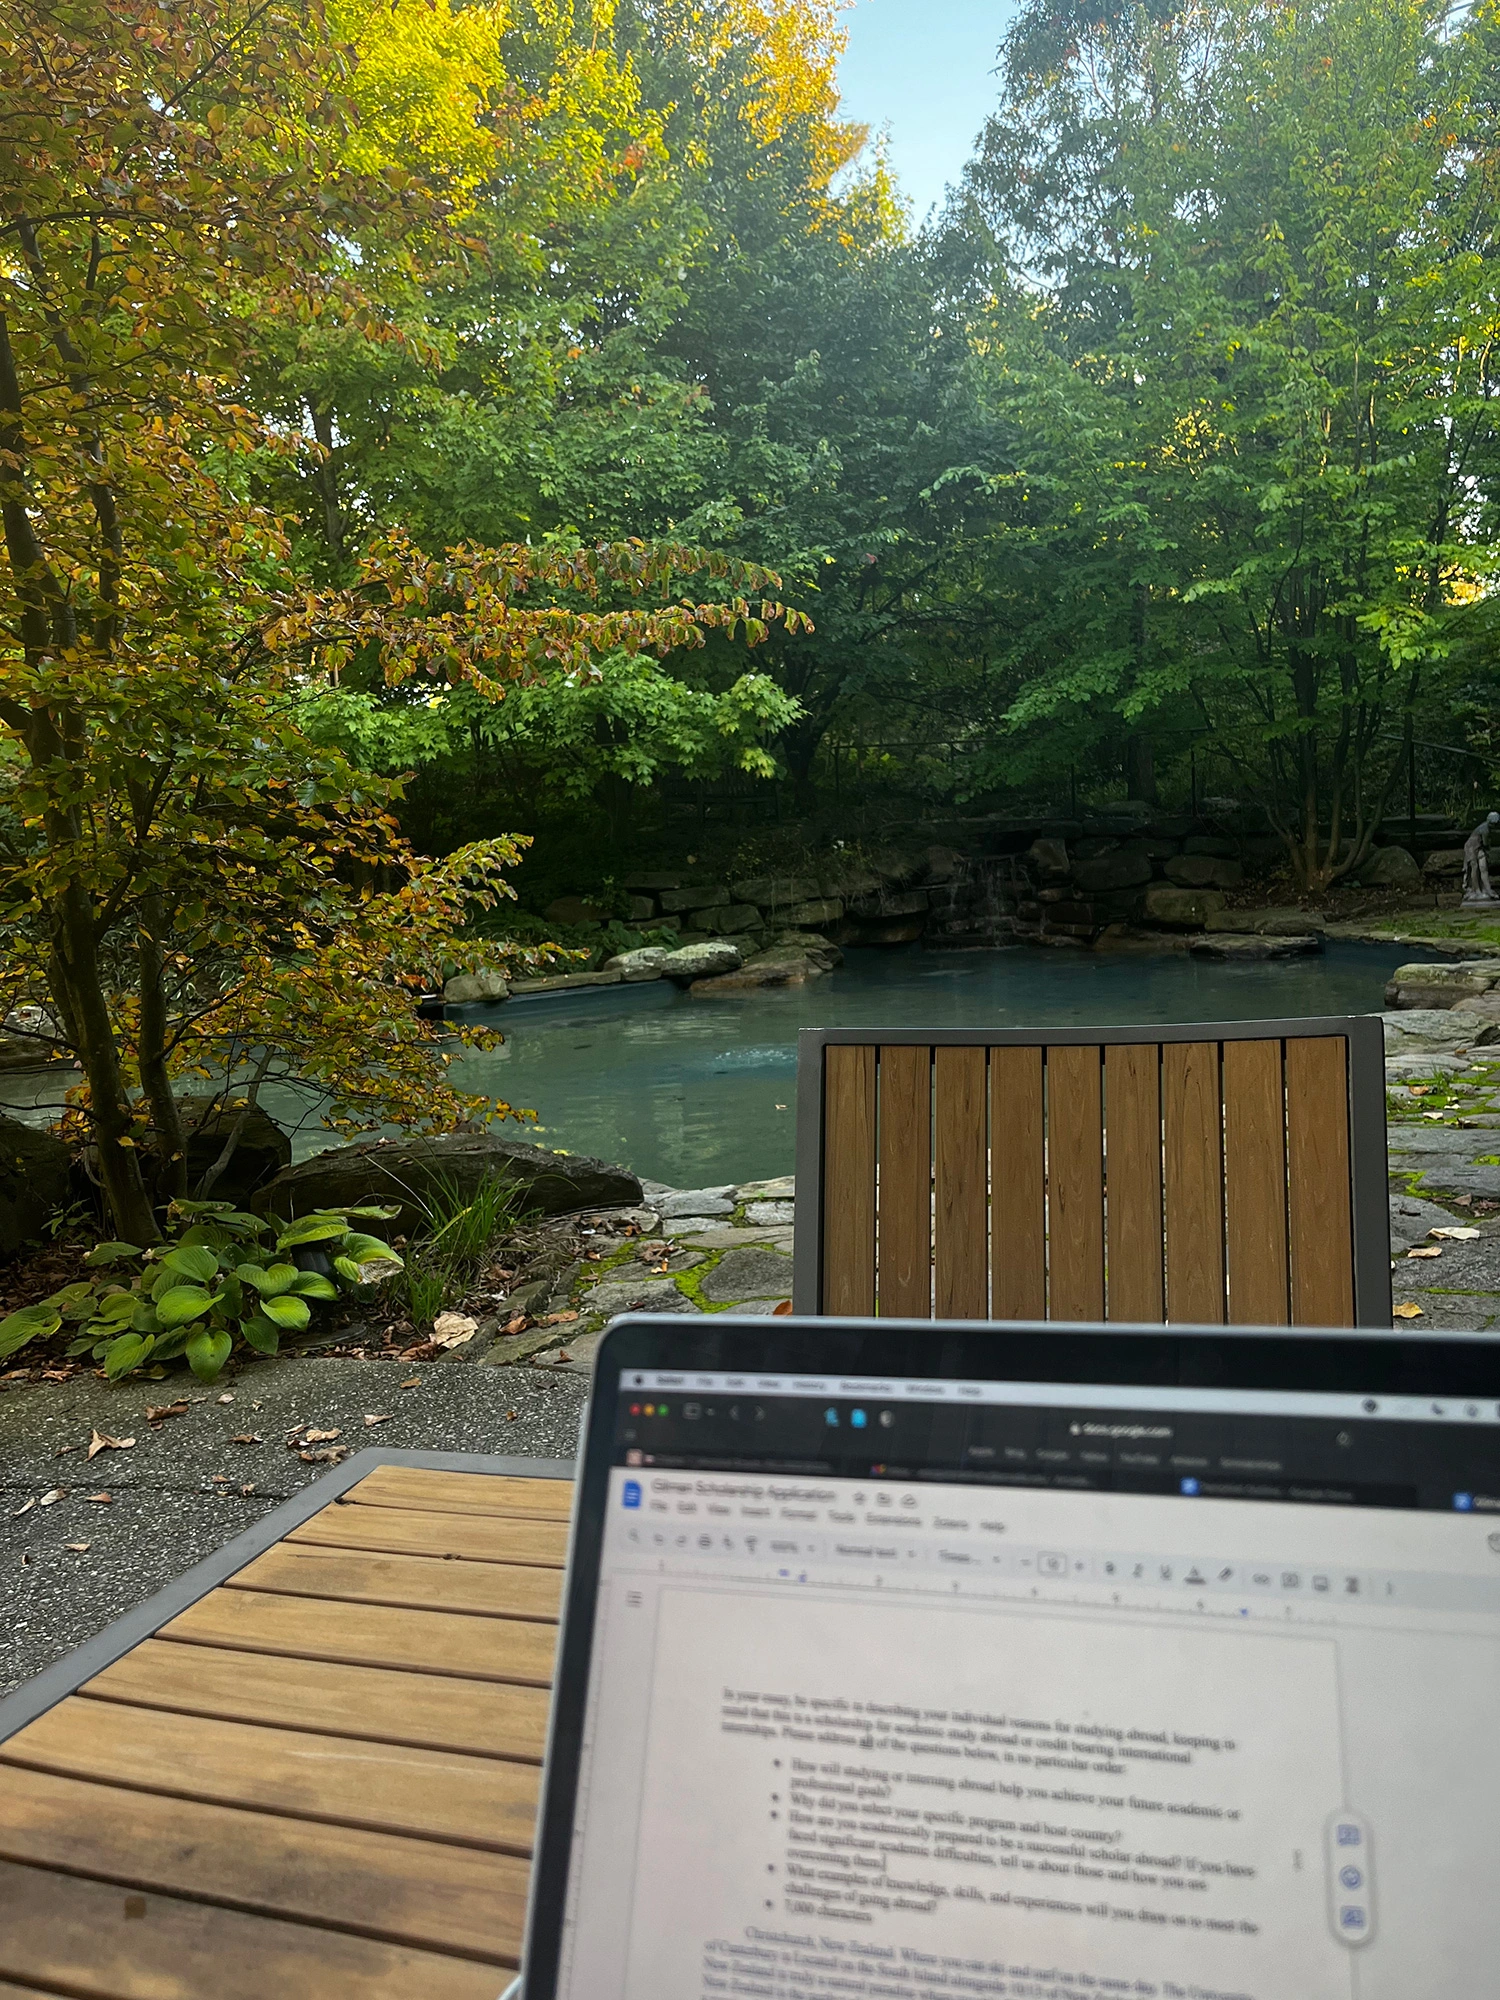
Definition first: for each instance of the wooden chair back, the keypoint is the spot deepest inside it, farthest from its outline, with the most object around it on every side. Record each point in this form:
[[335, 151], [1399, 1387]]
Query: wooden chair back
[[1231, 1173]]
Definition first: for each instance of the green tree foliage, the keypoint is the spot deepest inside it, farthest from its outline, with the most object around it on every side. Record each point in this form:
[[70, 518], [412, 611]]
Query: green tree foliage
[[1245, 326]]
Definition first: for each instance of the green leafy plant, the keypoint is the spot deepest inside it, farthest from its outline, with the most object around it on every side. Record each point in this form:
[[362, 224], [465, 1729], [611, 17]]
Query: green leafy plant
[[215, 1280], [458, 1231]]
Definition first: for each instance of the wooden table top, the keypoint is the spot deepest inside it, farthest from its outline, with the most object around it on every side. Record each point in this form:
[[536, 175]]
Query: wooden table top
[[321, 1778]]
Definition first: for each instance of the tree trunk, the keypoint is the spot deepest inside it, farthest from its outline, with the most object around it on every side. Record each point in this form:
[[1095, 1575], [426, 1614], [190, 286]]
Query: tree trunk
[[156, 1084]]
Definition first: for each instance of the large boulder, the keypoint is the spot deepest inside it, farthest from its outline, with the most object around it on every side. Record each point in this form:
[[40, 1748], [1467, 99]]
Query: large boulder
[[1204, 871], [675, 901], [772, 892], [421, 1173], [701, 961], [1179, 908], [1420, 1031], [824, 910], [34, 1182], [1268, 923], [891, 903], [1390, 868], [1453, 984], [261, 1150], [728, 917], [466, 989], [1243, 947], [1121, 869], [781, 965], [1444, 861], [637, 965], [1049, 858]]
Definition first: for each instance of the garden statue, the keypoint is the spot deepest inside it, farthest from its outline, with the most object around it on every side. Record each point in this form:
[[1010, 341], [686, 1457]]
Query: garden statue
[[1477, 887]]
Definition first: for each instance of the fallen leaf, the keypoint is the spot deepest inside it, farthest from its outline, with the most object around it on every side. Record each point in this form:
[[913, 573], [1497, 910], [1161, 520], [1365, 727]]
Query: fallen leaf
[[246, 1491], [1433, 1250], [1419, 1089], [559, 1319], [334, 1455], [782, 1307], [563, 1354], [63, 1450], [511, 1415], [1408, 1311], [1456, 1235], [78, 1548], [226, 1397], [102, 1441], [24, 1508], [51, 1499], [157, 1412], [516, 1325], [452, 1329], [320, 1437], [248, 1437], [411, 1382], [101, 1499], [1432, 1114], [385, 1419]]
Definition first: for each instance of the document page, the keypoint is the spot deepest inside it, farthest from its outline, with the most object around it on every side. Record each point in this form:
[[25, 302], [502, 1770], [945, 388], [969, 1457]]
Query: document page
[[934, 1801]]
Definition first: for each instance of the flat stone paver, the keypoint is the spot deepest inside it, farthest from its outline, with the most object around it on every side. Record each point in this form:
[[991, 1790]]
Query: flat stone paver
[[749, 1274]]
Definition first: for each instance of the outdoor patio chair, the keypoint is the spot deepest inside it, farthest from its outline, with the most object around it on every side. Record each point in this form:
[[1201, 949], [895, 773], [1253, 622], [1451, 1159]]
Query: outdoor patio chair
[[310, 1765], [1210, 1173]]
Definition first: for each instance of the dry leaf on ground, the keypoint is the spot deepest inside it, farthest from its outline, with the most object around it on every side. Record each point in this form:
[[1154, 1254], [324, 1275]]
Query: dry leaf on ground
[[516, 1325], [511, 1415], [248, 1437], [1408, 1311], [51, 1499], [320, 1437], [559, 1319], [334, 1455], [102, 1441], [226, 1397], [246, 1491], [411, 1382], [157, 1412], [452, 1329], [101, 1499], [24, 1508], [1456, 1235], [78, 1548], [782, 1307], [1430, 1250], [382, 1419]]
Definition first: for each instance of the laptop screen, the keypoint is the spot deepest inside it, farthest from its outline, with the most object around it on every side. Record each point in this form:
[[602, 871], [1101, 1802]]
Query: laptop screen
[[932, 1688]]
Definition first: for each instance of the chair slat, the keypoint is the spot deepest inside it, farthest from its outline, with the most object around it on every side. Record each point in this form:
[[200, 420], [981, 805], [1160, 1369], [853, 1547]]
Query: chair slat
[[1318, 1205], [904, 1200], [1018, 1254], [1255, 1184], [1075, 1184], [849, 1181], [1193, 1181], [960, 1204], [356, 1576], [1132, 1114]]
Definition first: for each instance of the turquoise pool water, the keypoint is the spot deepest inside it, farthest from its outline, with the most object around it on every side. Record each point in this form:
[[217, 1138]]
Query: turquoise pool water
[[697, 1092]]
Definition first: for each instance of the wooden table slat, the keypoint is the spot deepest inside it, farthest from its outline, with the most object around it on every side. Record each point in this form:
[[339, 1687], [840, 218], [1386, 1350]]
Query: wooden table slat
[[355, 1577], [95, 1939], [369, 1704], [436, 1642], [466, 1493], [404, 1531], [411, 1892], [380, 1787]]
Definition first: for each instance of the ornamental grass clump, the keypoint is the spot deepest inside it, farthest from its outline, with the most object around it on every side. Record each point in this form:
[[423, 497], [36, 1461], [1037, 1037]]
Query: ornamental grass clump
[[223, 1275]]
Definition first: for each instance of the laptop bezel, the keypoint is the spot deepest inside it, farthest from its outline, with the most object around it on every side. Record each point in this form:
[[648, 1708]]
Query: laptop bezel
[[1309, 1359]]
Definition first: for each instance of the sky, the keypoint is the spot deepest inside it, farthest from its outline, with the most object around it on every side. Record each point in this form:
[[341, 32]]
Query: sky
[[923, 69]]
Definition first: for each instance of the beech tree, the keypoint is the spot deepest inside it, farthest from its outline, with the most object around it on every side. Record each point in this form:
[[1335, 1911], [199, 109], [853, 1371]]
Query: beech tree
[[189, 886]]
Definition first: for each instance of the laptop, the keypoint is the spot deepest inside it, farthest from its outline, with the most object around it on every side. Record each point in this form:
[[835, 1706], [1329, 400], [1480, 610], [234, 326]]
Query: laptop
[[953, 1662]]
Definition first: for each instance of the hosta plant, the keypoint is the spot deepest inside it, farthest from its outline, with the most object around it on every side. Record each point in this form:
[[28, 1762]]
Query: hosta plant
[[221, 1276]]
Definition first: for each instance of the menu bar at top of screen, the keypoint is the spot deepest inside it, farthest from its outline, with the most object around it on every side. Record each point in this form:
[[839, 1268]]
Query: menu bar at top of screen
[[1068, 1395]]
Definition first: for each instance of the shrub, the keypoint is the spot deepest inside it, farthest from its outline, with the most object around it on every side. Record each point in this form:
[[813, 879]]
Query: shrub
[[213, 1281]]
